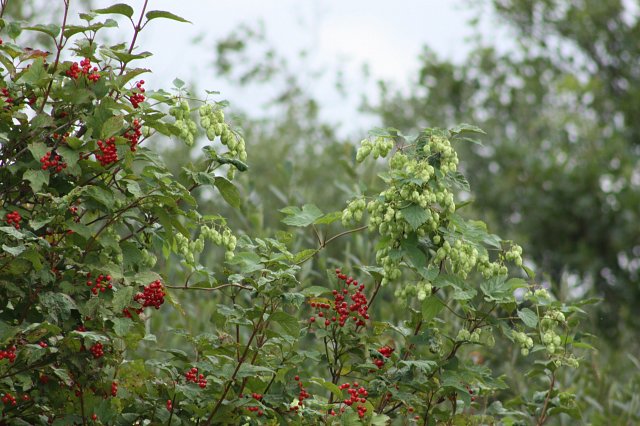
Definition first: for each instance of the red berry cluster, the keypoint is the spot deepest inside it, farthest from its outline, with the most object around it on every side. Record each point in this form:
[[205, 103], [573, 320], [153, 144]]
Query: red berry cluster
[[133, 134], [193, 376], [84, 68], [169, 405], [386, 352], [257, 397], [114, 389], [108, 151], [102, 283], [43, 344], [153, 295], [7, 96], [9, 353], [301, 396], [13, 218], [96, 350], [137, 98], [9, 399], [358, 396], [53, 161], [343, 310]]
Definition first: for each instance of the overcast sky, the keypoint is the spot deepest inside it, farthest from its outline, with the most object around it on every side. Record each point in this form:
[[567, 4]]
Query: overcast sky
[[339, 34]]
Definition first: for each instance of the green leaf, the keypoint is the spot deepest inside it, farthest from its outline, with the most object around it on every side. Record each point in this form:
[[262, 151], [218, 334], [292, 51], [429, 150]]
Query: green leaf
[[52, 30], [122, 298], [422, 365], [248, 370], [288, 323], [36, 178], [155, 14], [247, 262], [36, 75], [431, 306], [305, 217], [112, 126], [228, 191], [415, 215], [100, 195], [466, 128], [334, 389], [329, 218], [119, 9], [14, 251], [315, 290], [177, 83], [528, 317], [121, 326]]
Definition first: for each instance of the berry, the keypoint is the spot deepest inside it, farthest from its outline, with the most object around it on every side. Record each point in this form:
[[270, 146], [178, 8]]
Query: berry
[[108, 153], [114, 389], [133, 134], [84, 68], [13, 218], [137, 98], [169, 405], [53, 161], [152, 295], [96, 350]]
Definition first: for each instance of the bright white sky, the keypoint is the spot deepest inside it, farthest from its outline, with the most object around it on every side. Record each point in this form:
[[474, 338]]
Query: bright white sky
[[340, 34]]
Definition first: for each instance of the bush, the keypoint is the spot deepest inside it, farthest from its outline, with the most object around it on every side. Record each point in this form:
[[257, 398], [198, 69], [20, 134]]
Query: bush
[[89, 207]]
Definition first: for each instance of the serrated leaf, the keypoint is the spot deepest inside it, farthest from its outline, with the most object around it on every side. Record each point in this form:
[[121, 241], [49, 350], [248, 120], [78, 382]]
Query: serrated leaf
[[37, 178], [528, 317], [288, 323], [329, 218], [177, 83], [14, 251], [415, 215], [121, 326], [36, 75], [228, 191], [112, 126], [466, 128], [122, 298], [305, 217], [431, 306], [51, 29], [315, 290], [118, 9], [155, 14], [100, 195]]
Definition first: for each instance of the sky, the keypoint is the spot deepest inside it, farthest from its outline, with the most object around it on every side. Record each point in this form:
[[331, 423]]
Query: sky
[[339, 35]]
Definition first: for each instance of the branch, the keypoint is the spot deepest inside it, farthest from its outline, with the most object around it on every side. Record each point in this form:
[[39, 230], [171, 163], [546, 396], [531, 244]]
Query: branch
[[219, 287]]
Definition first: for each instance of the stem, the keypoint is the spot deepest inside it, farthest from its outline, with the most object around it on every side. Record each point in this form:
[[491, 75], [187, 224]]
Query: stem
[[543, 415], [219, 287], [57, 61], [323, 244], [235, 372]]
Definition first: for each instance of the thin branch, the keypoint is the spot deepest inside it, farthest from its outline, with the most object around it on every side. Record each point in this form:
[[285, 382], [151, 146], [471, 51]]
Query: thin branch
[[57, 61], [219, 287]]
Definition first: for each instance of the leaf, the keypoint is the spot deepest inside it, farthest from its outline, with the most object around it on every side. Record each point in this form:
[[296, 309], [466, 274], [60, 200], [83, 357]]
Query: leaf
[[228, 191], [466, 128], [334, 389], [52, 30], [305, 217], [431, 306], [100, 195], [247, 262], [14, 251], [57, 306], [329, 218], [155, 14], [315, 290], [288, 323], [122, 298], [422, 365], [248, 370], [121, 326], [119, 9], [112, 126], [36, 75], [36, 178], [177, 83], [528, 317], [415, 215]]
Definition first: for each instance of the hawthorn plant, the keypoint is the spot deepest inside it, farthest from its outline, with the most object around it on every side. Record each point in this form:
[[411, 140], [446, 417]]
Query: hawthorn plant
[[88, 207]]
